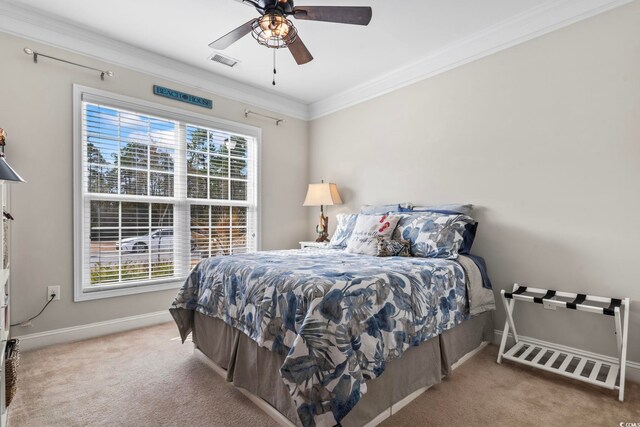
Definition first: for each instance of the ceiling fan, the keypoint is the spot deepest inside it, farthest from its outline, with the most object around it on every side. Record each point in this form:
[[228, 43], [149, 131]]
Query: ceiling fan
[[274, 30]]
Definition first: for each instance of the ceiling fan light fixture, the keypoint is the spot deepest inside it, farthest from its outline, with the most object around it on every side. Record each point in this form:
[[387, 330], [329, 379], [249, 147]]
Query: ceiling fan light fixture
[[276, 24], [274, 30]]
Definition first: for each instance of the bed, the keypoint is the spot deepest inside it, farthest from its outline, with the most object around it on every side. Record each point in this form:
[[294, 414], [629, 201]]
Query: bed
[[328, 337]]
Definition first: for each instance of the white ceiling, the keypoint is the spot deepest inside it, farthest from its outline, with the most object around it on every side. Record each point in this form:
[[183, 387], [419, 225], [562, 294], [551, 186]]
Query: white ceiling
[[406, 41], [400, 33]]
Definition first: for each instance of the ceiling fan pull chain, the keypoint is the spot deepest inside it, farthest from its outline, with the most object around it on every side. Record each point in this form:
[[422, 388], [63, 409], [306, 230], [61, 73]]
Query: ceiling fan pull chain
[[274, 67]]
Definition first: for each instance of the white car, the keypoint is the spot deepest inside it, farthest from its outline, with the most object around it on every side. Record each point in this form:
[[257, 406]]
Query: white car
[[158, 241]]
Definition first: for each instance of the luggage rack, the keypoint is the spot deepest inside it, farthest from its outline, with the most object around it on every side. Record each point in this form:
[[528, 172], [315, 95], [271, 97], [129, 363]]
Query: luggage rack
[[590, 369]]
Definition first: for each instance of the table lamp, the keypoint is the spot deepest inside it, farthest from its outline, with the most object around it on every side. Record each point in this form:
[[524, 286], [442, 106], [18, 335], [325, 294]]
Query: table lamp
[[322, 194]]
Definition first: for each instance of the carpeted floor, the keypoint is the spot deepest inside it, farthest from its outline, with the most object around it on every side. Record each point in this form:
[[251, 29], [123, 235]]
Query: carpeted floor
[[147, 378]]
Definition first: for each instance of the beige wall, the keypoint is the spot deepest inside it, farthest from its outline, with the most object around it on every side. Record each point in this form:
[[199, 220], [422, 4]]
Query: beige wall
[[544, 138], [36, 111]]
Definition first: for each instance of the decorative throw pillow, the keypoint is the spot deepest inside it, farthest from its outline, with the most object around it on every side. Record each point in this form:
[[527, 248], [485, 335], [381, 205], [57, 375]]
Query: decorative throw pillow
[[390, 247], [468, 236], [346, 222], [434, 235], [368, 227]]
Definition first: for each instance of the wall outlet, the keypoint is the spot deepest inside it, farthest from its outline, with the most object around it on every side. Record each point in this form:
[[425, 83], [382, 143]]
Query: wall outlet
[[53, 290]]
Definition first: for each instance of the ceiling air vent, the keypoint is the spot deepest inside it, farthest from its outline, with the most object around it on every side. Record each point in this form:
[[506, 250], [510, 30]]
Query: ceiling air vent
[[224, 60]]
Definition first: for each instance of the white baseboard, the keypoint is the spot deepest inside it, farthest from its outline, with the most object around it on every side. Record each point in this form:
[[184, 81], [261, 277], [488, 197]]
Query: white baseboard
[[633, 368], [469, 355], [91, 330]]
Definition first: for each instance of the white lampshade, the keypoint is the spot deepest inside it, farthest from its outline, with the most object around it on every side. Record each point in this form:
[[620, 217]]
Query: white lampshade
[[324, 194]]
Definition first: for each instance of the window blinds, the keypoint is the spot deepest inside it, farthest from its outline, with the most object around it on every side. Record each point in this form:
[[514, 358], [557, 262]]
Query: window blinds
[[159, 194]]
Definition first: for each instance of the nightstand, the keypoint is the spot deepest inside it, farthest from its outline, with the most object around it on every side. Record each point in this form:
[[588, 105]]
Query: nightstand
[[323, 245]]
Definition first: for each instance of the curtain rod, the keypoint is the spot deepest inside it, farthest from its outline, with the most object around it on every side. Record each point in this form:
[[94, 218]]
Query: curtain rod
[[37, 54], [277, 120]]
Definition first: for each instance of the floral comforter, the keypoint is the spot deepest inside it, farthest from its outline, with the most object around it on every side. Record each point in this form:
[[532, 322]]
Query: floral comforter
[[338, 317]]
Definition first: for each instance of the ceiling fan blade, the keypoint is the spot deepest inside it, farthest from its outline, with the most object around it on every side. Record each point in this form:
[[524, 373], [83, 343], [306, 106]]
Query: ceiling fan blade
[[232, 37], [300, 52], [357, 15]]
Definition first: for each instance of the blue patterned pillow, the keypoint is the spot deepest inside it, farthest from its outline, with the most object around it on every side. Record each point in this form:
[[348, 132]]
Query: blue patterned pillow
[[346, 223], [434, 235]]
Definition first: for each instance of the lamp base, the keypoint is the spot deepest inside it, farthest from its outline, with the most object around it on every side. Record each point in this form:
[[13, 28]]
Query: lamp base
[[321, 229]]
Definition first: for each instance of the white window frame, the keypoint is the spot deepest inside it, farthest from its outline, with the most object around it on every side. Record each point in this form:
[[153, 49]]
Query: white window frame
[[81, 93]]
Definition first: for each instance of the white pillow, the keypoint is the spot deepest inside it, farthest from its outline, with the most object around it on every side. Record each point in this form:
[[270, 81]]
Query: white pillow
[[363, 239]]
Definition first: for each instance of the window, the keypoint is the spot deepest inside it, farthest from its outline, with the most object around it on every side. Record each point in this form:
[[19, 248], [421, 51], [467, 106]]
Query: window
[[157, 190]]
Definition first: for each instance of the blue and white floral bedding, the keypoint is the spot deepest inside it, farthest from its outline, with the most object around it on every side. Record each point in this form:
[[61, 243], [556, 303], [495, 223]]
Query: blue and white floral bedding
[[338, 317]]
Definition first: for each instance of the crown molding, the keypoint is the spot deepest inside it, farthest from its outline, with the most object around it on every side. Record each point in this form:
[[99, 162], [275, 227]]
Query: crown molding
[[547, 17], [32, 24]]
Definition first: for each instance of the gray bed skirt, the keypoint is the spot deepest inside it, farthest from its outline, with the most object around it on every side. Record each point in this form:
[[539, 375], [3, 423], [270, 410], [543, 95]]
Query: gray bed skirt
[[257, 369]]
